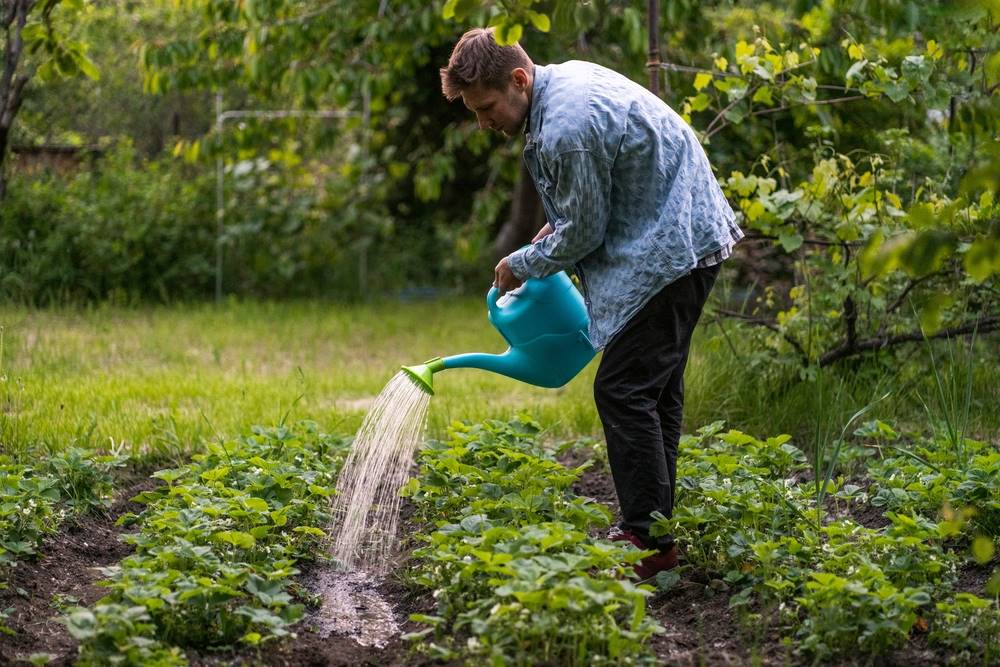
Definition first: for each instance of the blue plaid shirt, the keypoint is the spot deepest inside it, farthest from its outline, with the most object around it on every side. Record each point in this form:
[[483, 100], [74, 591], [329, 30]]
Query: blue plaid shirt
[[627, 188]]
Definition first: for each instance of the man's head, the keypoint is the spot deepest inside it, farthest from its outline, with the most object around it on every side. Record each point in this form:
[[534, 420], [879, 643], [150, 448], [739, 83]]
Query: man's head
[[494, 81]]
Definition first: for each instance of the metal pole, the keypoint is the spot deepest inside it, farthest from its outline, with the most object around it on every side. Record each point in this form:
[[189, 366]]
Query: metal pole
[[653, 64], [366, 114], [220, 211], [220, 119]]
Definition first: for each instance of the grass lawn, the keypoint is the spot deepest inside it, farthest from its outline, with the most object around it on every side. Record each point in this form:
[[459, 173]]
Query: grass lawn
[[158, 380]]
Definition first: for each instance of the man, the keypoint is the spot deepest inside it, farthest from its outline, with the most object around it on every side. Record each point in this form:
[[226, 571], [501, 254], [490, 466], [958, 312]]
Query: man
[[633, 207]]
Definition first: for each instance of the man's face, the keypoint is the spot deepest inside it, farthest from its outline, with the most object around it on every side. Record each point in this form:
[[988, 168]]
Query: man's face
[[501, 110]]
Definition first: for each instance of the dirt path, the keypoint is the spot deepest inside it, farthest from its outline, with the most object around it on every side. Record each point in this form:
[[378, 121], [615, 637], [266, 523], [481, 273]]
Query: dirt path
[[63, 577]]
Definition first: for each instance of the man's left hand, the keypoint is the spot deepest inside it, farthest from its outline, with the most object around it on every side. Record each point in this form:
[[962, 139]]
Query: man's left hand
[[503, 278]]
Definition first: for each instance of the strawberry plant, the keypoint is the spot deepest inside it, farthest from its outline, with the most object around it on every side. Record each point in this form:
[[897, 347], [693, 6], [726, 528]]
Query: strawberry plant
[[28, 511], [969, 627], [837, 586], [511, 565], [34, 500], [216, 549], [864, 612]]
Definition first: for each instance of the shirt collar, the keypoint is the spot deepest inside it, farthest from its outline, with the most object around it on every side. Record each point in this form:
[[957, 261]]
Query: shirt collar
[[540, 81]]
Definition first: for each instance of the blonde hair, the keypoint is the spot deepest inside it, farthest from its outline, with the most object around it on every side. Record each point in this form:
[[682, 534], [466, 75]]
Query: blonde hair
[[477, 59]]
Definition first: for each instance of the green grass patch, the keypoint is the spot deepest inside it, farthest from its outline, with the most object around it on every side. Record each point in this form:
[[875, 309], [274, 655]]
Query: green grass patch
[[157, 382]]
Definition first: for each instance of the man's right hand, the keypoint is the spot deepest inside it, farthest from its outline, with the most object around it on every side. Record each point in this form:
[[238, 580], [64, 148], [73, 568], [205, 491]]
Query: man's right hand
[[542, 233]]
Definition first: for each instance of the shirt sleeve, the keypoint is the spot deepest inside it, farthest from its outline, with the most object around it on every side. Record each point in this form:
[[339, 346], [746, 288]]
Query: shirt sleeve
[[580, 195]]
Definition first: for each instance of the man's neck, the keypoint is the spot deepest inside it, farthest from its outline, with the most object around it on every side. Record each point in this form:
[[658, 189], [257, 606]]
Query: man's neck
[[531, 99]]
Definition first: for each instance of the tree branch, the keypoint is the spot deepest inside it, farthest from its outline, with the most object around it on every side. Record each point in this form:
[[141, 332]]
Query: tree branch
[[845, 350], [816, 242], [837, 100], [767, 324]]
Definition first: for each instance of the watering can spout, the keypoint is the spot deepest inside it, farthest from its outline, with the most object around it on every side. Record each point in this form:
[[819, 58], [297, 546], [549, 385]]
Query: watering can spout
[[423, 374]]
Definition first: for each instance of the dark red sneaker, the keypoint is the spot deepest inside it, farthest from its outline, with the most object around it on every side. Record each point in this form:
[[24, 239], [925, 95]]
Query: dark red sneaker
[[650, 566]]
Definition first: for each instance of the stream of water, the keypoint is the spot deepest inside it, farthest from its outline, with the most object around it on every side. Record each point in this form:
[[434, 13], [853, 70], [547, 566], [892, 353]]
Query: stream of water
[[366, 506]]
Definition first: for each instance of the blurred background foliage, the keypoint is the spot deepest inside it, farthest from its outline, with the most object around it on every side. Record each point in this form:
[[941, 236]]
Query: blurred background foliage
[[857, 139]]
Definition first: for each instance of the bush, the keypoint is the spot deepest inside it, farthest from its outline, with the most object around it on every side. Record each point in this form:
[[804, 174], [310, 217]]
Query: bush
[[118, 232]]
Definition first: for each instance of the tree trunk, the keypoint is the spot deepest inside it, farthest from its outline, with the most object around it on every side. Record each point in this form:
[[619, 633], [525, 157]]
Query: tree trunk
[[14, 17], [526, 217]]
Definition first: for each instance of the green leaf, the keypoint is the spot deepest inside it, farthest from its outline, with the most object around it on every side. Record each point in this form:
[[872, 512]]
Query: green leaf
[[667, 580], [982, 549], [702, 80], [256, 504], [169, 475], [236, 538], [993, 585], [81, 623], [448, 11], [932, 312], [88, 68], [790, 241], [763, 95], [540, 21], [983, 258], [699, 102], [926, 253]]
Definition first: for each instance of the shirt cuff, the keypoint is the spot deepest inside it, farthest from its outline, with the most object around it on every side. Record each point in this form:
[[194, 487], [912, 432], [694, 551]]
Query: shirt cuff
[[518, 263]]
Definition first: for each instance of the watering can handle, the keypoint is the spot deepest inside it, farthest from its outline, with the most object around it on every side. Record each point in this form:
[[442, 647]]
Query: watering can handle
[[491, 303]]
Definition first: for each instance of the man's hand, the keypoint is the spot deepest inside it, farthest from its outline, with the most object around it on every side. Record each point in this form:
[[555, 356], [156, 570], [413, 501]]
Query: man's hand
[[503, 278], [542, 233]]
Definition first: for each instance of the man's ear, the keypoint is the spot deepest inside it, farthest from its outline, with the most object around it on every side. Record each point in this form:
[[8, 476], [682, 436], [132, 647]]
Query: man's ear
[[519, 77]]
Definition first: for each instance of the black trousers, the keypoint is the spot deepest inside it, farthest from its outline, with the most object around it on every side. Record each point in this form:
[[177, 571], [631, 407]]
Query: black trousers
[[639, 391]]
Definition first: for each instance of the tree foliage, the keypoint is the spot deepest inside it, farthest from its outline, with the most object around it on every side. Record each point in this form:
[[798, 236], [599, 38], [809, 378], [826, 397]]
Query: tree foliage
[[860, 138], [36, 41]]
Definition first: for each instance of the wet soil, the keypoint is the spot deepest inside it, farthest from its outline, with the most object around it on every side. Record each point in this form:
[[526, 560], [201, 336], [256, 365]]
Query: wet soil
[[318, 643], [352, 618]]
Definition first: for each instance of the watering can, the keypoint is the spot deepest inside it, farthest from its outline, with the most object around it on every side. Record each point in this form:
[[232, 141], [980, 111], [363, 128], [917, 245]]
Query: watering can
[[545, 323]]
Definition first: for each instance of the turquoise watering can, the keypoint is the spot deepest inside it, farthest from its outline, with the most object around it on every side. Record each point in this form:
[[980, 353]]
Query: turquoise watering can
[[545, 323]]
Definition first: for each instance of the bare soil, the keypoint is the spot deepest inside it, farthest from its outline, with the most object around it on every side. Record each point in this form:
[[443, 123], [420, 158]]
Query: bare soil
[[699, 626], [63, 576]]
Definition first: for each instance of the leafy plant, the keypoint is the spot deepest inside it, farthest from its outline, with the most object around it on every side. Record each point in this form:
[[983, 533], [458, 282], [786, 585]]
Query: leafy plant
[[511, 564], [216, 549]]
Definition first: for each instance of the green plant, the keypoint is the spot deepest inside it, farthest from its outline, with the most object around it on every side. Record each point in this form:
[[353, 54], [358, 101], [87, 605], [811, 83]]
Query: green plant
[[968, 626], [217, 548], [511, 565], [864, 612], [85, 480], [28, 511]]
